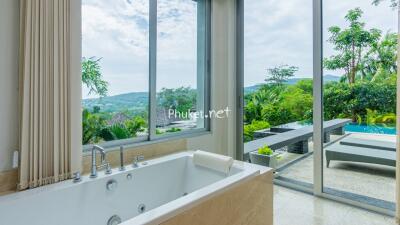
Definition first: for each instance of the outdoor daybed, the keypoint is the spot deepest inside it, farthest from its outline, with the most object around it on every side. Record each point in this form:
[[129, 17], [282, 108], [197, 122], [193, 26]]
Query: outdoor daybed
[[368, 143], [362, 150]]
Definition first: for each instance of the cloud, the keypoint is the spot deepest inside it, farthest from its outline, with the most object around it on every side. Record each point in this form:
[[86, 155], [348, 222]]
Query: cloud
[[276, 32], [280, 32], [118, 32]]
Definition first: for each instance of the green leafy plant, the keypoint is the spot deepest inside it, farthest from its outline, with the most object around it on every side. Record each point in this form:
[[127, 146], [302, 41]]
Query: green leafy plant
[[92, 124], [255, 125], [92, 77], [158, 131], [173, 130], [265, 150], [135, 125], [119, 131]]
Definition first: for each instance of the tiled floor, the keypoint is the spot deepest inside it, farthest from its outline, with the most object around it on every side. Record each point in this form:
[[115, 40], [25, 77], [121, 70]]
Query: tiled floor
[[374, 181], [297, 208]]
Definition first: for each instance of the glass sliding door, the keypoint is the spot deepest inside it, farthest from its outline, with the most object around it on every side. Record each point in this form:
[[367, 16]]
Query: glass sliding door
[[319, 104], [359, 94], [278, 88], [354, 71]]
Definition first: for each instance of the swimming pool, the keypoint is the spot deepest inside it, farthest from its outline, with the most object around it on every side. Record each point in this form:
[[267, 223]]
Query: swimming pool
[[374, 129]]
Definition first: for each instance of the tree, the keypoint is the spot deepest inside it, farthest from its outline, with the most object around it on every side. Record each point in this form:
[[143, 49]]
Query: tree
[[92, 77], [181, 99], [381, 61], [393, 3], [92, 124], [279, 75], [351, 44]]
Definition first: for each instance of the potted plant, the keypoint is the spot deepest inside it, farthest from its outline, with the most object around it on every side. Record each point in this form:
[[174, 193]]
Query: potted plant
[[265, 156]]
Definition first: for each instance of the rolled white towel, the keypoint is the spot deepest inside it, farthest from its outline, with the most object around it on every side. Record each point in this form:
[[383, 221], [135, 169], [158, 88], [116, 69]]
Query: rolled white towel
[[213, 161]]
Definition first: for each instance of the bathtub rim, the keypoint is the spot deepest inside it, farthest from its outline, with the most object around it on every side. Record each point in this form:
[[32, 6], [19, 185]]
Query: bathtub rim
[[86, 178], [169, 210]]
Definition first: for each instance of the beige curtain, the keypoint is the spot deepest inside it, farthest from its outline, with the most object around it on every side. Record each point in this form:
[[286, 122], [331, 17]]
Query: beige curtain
[[47, 151]]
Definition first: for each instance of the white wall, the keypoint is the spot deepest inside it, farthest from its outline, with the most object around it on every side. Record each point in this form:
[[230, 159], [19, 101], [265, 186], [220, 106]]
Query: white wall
[[222, 140], [9, 39]]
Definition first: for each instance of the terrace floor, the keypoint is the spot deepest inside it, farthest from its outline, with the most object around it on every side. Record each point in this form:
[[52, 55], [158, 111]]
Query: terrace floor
[[297, 208], [358, 178]]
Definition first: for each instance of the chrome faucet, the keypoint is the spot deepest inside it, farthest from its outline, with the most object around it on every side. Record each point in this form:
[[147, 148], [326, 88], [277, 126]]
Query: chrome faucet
[[136, 161], [77, 177], [93, 173]]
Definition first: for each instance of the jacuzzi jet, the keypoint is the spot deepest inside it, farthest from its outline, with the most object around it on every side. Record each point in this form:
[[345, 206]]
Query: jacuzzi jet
[[114, 220], [141, 208], [184, 194]]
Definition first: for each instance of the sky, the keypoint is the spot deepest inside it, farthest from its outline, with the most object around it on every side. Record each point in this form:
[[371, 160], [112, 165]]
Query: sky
[[280, 32], [118, 33], [276, 33]]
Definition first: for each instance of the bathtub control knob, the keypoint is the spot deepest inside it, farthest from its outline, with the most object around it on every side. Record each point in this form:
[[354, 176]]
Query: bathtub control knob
[[129, 176], [111, 185], [114, 220]]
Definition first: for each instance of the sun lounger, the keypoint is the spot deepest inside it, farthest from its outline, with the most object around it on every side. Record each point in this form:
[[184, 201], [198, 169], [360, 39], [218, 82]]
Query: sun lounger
[[339, 152], [367, 143]]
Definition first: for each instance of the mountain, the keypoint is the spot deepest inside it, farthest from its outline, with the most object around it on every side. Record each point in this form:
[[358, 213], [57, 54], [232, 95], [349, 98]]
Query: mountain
[[134, 101], [251, 89], [137, 102], [331, 78], [292, 81]]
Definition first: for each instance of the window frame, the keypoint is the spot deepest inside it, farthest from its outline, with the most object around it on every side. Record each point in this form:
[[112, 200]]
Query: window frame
[[152, 137]]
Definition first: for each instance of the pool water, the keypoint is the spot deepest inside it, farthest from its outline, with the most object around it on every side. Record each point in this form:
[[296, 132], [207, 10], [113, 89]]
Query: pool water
[[373, 129]]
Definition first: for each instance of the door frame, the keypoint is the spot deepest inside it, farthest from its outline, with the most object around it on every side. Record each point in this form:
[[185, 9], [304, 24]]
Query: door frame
[[318, 184]]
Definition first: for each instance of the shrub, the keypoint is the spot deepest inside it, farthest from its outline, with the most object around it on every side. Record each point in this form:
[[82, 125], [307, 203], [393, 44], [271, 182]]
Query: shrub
[[248, 130], [158, 131], [265, 150], [119, 131], [135, 125], [173, 130], [277, 114], [92, 124], [346, 100]]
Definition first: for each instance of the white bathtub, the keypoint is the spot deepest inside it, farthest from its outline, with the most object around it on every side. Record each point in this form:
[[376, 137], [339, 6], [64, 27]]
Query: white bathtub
[[165, 186]]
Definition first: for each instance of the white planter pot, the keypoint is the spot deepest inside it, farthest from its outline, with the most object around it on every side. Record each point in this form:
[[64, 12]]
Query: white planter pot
[[264, 160]]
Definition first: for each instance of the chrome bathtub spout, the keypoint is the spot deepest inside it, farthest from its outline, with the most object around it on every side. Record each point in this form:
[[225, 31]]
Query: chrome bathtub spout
[[93, 173], [136, 161]]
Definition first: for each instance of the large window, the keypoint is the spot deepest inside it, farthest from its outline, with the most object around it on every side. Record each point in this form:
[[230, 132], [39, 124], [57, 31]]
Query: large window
[[144, 69], [278, 87], [320, 87]]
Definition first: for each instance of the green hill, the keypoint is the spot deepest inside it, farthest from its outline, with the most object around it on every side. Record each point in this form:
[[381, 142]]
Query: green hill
[[136, 102]]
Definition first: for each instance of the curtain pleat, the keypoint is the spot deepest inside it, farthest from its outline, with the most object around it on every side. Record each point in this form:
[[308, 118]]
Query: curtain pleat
[[45, 93]]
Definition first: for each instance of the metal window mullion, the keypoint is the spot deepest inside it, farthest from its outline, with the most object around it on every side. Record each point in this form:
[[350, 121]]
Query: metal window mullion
[[318, 109], [152, 68], [207, 75], [201, 60], [240, 78]]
